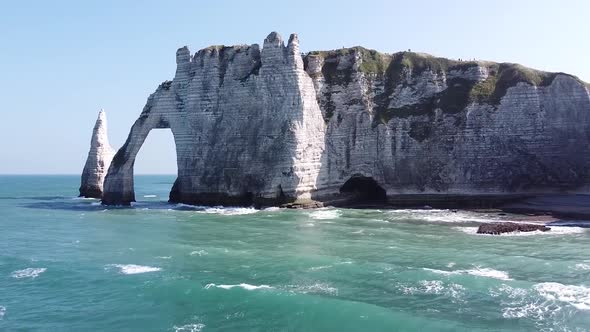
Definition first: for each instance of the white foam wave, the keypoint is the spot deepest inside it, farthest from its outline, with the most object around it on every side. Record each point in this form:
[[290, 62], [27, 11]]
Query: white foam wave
[[199, 252], [582, 266], [317, 268], [477, 271], [436, 287], [189, 328], [220, 210], [322, 214], [510, 292], [577, 296], [560, 230], [345, 262], [2, 312], [444, 216], [317, 288], [150, 196], [84, 198], [229, 211], [28, 273], [242, 285], [164, 257], [272, 208], [134, 269]]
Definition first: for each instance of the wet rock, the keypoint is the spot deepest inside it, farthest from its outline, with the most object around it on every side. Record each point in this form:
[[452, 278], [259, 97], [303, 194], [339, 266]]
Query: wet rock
[[509, 227]]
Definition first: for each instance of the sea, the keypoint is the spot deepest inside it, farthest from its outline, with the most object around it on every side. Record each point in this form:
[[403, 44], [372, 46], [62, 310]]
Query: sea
[[71, 264]]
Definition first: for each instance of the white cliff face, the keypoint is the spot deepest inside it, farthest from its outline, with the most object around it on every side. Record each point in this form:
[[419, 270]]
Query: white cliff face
[[267, 126], [246, 124], [453, 129], [98, 161]]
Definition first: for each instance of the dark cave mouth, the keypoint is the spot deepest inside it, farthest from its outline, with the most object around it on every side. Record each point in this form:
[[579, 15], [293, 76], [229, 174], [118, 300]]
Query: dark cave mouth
[[364, 189]]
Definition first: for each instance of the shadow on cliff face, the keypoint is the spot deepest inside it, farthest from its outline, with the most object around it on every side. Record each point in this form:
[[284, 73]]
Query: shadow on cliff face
[[364, 190], [81, 204]]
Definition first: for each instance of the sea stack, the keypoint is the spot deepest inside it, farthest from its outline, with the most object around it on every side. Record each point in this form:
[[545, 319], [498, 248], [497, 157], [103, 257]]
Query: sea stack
[[98, 161]]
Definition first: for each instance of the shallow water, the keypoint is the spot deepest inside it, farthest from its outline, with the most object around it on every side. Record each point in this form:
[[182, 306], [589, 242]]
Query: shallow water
[[72, 264]]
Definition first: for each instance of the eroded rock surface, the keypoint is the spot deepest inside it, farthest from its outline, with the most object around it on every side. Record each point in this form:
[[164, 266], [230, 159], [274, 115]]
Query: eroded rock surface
[[497, 228], [271, 126], [98, 161]]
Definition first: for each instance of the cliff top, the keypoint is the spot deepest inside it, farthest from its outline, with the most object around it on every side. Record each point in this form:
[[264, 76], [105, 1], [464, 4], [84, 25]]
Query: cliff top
[[375, 62]]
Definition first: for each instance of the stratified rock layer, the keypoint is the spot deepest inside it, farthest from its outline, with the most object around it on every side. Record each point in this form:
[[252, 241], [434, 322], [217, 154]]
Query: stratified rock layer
[[246, 124], [98, 161], [270, 126]]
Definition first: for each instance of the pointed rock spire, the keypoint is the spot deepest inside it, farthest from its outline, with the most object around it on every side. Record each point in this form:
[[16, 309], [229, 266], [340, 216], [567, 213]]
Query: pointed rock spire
[[98, 161]]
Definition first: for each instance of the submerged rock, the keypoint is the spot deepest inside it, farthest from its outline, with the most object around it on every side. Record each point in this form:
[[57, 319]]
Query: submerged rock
[[509, 227], [98, 161]]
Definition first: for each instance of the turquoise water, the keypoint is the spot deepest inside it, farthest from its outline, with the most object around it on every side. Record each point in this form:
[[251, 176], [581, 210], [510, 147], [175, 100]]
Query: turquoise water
[[69, 264]]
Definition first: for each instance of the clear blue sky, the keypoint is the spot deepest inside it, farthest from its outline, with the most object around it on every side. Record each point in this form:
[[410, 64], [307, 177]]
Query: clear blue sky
[[61, 61]]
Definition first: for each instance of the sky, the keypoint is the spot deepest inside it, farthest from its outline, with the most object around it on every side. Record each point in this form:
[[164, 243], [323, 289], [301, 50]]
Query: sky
[[62, 61]]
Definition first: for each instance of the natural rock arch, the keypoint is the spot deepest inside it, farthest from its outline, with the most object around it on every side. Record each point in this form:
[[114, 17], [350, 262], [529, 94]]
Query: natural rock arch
[[119, 182]]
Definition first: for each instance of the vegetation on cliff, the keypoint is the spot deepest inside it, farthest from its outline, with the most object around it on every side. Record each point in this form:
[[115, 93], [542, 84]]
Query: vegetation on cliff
[[399, 70]]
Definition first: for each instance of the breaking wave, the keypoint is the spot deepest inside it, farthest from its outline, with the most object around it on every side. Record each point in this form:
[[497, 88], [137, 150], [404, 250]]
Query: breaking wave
[[544, 301], [220, 210], [189, 328], [582, 267], [134, 269], [477, 271], [577, 296], [28, 273], [2, 312], [242, 285], [322, 214], [199, 253], [434, 287], [317, 288], [445, 216]]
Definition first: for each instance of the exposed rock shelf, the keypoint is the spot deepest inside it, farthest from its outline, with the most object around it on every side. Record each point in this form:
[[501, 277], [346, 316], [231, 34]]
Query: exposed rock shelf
[[498, 228], [270, 126]]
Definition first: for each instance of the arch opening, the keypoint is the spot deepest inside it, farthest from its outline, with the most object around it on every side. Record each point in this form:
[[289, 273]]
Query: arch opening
[[155, 166], [364, 189]]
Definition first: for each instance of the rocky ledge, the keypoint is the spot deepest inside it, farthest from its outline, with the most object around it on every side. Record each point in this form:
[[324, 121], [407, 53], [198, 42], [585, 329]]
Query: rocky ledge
[[497, 228]]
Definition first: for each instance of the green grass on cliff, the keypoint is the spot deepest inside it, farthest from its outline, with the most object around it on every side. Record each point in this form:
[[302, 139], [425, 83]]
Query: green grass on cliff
[[397, 69]]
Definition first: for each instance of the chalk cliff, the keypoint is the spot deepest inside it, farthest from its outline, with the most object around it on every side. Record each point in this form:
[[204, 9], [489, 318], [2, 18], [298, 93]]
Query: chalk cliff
[[271, 126], [98, 161]]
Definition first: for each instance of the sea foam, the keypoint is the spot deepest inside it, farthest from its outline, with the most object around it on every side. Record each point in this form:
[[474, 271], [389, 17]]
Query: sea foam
[[134, 269], [189, 328], [28, 273], [477, 271], [322, 214], [242, 285], [2, 312], [317, 288], [577, 296]]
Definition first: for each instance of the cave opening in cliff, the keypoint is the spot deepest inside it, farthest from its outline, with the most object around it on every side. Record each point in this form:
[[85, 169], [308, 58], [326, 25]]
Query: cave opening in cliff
[[157, 157], [364, 189]]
